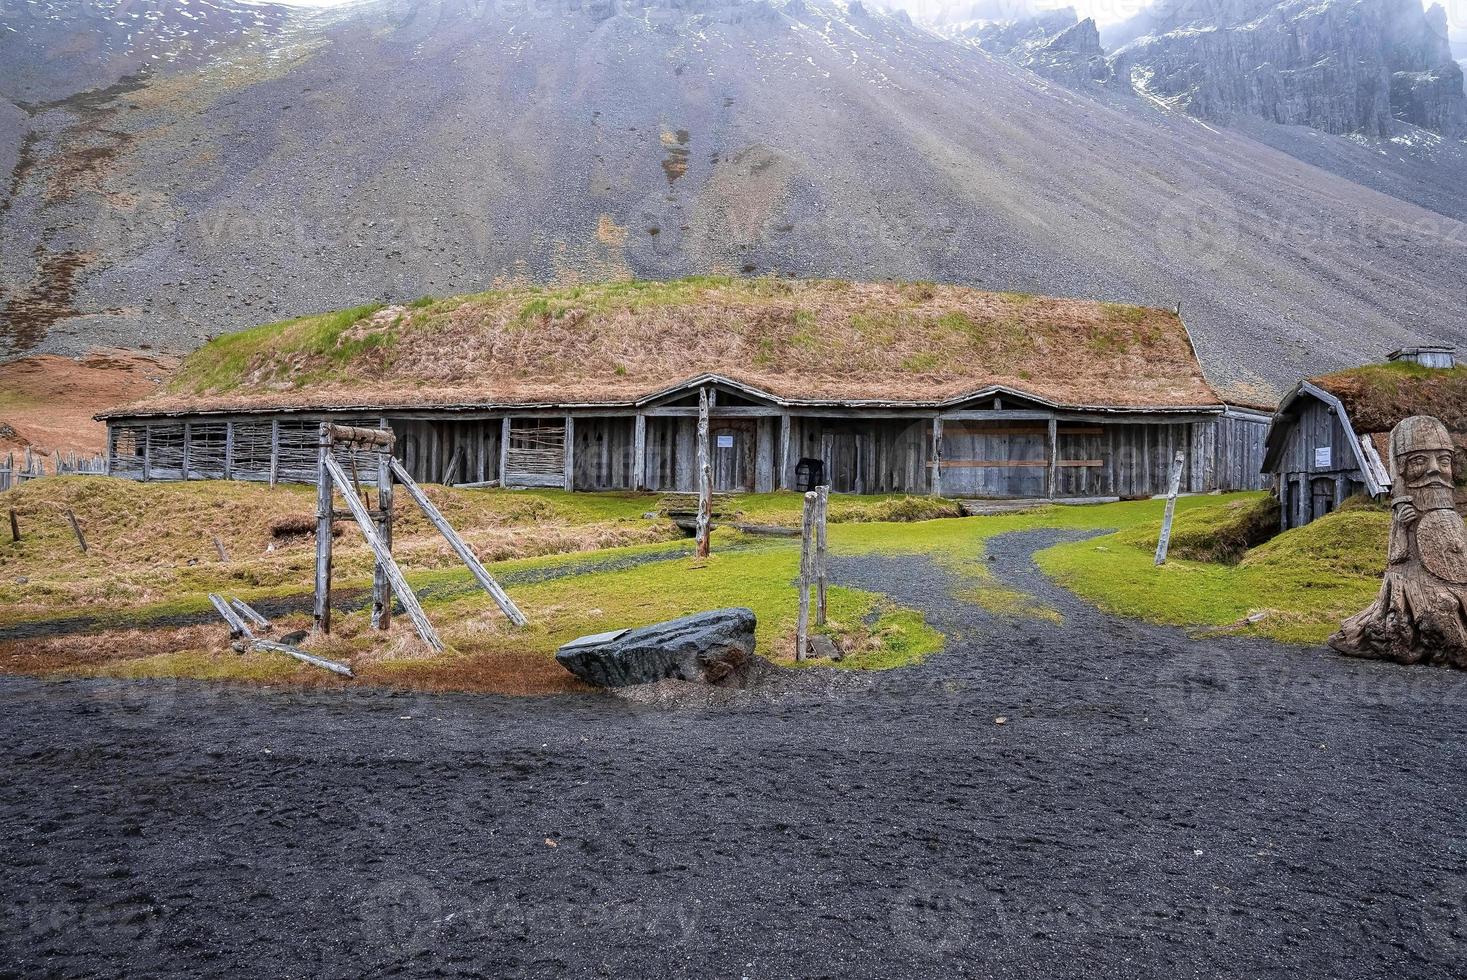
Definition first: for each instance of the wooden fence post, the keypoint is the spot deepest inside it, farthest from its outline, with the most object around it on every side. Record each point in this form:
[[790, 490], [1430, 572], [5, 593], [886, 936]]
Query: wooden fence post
[[822, 576], [807, 530], [381, 587], [1164, 542], [14, 527], [274, 452], [219, 547], [705, 477], [639, 453], [322, 613]]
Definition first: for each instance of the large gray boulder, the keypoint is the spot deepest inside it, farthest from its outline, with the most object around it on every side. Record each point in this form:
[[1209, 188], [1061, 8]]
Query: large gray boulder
[[711, 648]]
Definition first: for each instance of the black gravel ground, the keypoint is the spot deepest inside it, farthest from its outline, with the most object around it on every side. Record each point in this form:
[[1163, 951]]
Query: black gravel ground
[[1153, 806]]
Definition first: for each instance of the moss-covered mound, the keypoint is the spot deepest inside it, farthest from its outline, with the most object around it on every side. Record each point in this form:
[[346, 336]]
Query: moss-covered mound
[[1377, 396], [1217, 534]]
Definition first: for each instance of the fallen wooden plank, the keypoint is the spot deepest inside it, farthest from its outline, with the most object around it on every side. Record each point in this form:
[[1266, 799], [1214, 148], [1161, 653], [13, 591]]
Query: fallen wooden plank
[[237, 627], [303, 657], [248, 612], [76, 529]]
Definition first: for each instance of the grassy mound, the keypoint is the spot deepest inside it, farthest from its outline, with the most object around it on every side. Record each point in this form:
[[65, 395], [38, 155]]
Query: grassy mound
[[1303, 582], [1217, 534]]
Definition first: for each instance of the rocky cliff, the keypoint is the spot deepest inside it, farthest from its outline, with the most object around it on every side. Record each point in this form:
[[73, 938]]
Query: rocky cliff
[[1342, 66], [1055, 44]]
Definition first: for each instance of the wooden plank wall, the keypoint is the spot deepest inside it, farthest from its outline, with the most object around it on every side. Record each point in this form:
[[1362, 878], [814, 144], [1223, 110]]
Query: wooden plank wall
[[891, 454], [603, 453], [426, 447]]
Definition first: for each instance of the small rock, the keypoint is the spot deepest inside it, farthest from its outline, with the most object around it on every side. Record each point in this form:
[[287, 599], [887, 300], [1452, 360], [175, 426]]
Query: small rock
[[22, 580], [823, 647], [1000, 720]]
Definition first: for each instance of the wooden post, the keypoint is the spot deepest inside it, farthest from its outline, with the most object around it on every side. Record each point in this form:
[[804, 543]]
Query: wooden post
[[504, 452], [1053, 457], [188, 438], [570, 452], [237, 626], [783, 483], [302, 656], [228, 450], [76, 529], [14, 527], [822, 575], [639, 453], [480, 573], [1163, 542], [147, 452], [248, 612], [274, 452], [381, 588], [322, 613], [394, 574], [807, 528], [937, 456], [705, 477], [219, 547]]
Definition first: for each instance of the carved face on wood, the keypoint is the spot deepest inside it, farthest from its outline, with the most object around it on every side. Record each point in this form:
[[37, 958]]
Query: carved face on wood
[[1424, 460]]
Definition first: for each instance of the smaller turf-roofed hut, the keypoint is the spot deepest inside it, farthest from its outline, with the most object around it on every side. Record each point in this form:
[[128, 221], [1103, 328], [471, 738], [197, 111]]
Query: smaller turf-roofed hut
[[912, 388], [1330, 438]]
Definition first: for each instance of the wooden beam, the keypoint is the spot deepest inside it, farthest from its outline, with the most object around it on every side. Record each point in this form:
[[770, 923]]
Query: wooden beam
[[807, 547], [147, 452], [405, 594], [321, 616], [639, 453], [705, 477], [480, 573], [188, 438], [783, 482], [302, 656], [936, 468], [570, 452], [822, 572], [504, 452], [727, 412], [381, 586], [237, 627], [1053, 458], [274, 452], [228, 450]]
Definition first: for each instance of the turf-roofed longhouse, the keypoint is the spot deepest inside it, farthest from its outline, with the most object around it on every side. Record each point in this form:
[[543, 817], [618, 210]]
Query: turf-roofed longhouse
[[914, 388]]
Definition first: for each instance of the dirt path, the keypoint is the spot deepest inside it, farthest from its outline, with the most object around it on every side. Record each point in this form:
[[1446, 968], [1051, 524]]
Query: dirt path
[[1154, 806]]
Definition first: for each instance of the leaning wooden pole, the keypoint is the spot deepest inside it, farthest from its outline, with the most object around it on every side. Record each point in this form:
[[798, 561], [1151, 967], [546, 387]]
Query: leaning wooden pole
[[322, 618], [384, 557], [480, 573], [807, 561], [822, 577], [381, 587], [1164, 542], [705, 477]]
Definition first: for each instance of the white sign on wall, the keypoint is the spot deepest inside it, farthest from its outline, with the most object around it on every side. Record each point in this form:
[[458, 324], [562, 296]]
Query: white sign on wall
[[725, 442], [1321, 457]]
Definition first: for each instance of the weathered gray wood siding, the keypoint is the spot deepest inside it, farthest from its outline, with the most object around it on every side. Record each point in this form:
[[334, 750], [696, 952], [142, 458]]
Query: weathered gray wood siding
[[877, 454], [863, 455], [1311, 486], [603, 453]]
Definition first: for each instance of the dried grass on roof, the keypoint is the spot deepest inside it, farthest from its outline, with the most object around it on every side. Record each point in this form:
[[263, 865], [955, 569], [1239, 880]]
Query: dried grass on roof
[[819, 340], [1378, 396]]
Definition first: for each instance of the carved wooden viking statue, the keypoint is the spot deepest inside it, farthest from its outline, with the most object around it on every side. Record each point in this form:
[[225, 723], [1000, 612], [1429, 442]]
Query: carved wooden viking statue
[[1420, 615]]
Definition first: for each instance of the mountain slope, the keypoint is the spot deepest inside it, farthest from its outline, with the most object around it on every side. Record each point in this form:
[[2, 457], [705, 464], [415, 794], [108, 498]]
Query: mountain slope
[[405, 150]]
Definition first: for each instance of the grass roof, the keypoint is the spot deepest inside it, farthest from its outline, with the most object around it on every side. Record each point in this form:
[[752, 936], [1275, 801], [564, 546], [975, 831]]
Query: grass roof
[[1377, 396], [618, 342]]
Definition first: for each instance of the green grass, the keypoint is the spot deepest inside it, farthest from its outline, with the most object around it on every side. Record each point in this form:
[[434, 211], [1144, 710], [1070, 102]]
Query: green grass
[[1304, 581], [223, 363]]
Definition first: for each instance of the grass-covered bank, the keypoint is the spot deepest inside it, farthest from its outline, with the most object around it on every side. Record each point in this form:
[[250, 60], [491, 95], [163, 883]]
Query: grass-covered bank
[[1295, 588]]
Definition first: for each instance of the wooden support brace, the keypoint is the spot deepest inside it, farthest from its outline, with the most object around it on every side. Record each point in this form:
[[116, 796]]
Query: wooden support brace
[[481, 574], [639, 453], [705, 477], [249, 613], [384, 557], [322, 613]]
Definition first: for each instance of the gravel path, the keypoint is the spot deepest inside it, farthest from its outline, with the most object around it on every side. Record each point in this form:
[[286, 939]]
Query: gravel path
[[1154, 806]]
